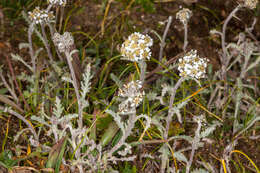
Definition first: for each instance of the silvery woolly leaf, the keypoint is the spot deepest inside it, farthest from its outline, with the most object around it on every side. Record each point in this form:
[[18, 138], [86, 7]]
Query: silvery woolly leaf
[[164, 150], [248, 86], [257, 61], [151, 96], [58, 108], [126, 150], [182, 104], [148, 120], [166, 88], [209, 130], [73, 51], [116, 80], [19, 133], [207, 165], [117, 119], [37, 52], [57, 68], [25, 77], [85, 84], [180, 157], [177, 112], [234, 62], [85, 104], [17, 57], [158, 124], [40, 120], [67, 118], [165, 153], [24, 45], [249, 124], [187, 138]]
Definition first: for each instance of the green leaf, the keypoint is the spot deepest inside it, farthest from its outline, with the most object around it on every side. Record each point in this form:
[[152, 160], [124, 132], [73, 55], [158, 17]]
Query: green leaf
[[57, 168], [56, 154], [109, 133], [3, 91], [6, 159]]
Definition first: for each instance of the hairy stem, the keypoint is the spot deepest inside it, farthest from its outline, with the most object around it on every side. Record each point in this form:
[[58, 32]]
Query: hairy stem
[[75, 85], [142, 66], [170, 112], [195, 142], [31, 51], [45, 42], [34, 63], [185, 37], [225, 59], [162, 45]]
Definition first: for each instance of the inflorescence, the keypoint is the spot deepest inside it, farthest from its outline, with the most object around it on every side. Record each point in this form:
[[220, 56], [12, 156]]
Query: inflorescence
[[63, 42], [251, 4], [184, 15], [57, 2], [192, 65], [41, 16], [134, 95], [137, 47]]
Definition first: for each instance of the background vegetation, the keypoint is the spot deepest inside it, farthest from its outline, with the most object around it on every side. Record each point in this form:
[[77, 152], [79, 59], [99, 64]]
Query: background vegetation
[[228, 98]]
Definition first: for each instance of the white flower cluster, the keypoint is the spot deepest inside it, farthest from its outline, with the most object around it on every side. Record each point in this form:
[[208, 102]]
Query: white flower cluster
[[184, 15], [134, 95], [57, 2], [63, 42], [192, 65], [251, 4], [41, 16], [137, 47]]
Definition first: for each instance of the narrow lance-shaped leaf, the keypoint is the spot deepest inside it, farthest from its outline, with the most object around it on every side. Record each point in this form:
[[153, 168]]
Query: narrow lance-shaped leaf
[[56, 154]]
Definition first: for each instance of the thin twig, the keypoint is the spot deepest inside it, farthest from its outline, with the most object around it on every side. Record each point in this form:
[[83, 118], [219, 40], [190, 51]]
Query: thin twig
[[162, 45], [45, 42], [224, 59]]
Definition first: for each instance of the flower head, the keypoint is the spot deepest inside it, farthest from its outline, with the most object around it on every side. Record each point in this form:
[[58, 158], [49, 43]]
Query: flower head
[[251, 4], [134, 95], [41, 16], [57, 2], [184, 15], [137, 47], [192, 65], [63, 42]]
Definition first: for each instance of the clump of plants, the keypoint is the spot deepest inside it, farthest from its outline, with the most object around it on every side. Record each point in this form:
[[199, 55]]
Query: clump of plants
[[62, 114]]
